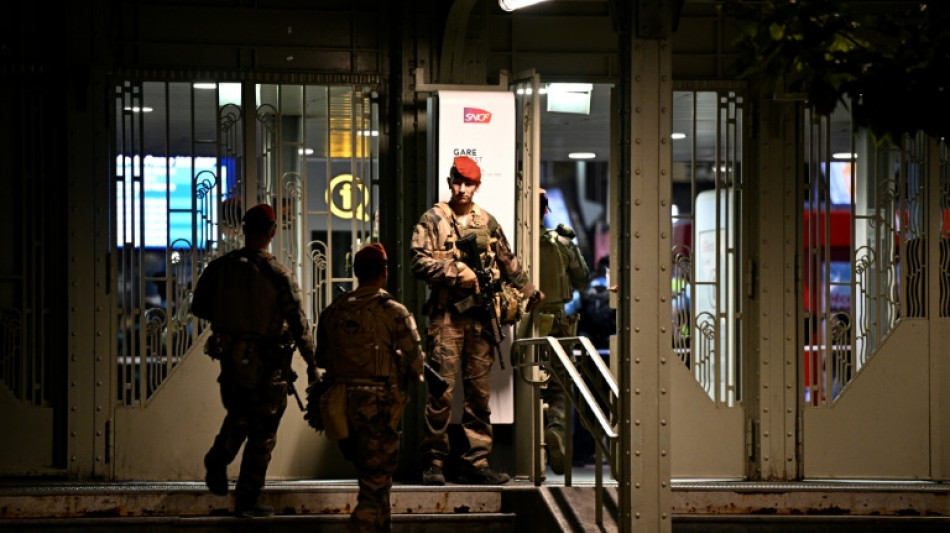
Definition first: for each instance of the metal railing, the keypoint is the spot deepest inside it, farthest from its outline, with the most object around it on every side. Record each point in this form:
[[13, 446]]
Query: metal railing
[[585, 372]]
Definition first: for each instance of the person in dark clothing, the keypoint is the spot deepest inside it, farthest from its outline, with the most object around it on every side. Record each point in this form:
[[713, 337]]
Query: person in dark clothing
[[370, 347], [253, 303]]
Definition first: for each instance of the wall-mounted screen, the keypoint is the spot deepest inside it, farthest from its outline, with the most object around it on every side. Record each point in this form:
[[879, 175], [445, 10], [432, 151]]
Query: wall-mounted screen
[[840, 182], [155, 198]]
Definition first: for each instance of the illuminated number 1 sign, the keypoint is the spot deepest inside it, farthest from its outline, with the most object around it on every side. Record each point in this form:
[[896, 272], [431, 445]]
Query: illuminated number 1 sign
[[343, 196]]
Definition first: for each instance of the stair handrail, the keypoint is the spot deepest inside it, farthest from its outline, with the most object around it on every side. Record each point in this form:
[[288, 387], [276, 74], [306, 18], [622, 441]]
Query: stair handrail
[[522, 358], [518, 356]]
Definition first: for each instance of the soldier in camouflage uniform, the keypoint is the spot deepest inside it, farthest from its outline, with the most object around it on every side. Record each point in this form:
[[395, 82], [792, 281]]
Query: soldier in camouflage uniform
[[458, 338], [369, 344], [565, 269], [254, 307]]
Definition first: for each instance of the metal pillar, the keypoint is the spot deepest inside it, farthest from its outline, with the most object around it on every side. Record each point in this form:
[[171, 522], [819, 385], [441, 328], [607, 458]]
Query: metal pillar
[[642, 265], [774, 418]]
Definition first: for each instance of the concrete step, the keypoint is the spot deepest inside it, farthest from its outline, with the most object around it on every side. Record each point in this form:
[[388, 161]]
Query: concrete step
[[329, 523], [191, 499]]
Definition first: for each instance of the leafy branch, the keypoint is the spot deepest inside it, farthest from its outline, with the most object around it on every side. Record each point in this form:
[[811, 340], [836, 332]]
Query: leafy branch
[[890, 60]]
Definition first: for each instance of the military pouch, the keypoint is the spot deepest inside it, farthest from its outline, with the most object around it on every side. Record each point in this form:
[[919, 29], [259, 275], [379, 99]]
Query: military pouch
[[333, 412], [313, 416], [569, 325], [465, 304], [545, 324], [245, 365], [509, 304]]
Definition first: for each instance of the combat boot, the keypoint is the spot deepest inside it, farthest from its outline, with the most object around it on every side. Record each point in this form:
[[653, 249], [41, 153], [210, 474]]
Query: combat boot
[[258, 510], [483, 476], [555, 448], [433, 476], [216, 476]]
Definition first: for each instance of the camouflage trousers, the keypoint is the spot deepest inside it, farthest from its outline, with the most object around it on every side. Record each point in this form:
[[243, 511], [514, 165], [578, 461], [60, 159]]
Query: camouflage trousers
[[252, 415], [373, 447], [457, 341]]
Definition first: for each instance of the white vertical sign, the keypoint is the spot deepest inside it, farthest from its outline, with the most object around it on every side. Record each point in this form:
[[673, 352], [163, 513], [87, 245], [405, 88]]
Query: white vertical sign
[[481, 125]]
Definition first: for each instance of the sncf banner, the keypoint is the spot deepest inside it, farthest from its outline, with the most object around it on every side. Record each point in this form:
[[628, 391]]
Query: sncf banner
[[481, 125]]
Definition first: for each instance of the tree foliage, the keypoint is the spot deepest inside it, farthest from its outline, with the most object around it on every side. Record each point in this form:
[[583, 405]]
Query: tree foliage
[[892, 59]]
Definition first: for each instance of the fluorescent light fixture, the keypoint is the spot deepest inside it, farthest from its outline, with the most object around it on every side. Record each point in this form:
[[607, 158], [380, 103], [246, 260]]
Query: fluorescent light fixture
[[844, 155], [569, 98], [137, 109], [677, 136], [570, 88], [582, 155], [230, 93], [205, 85], [511, 5], [305, 151]]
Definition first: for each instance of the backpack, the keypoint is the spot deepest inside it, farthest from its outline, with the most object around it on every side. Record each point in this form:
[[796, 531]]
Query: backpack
[[352, 327]]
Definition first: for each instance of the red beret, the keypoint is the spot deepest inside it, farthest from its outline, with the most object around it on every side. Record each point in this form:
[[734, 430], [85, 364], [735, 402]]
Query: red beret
[[370, 252], [259, 218], [464, 167]]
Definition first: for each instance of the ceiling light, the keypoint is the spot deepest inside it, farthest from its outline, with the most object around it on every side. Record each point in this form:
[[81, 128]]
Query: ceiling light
[[511, 5], [677, 136], [585, 88], [844, 155], [137, 109], [582, 155], [569, 98], [368, 133], [205, 85], [305, 151]]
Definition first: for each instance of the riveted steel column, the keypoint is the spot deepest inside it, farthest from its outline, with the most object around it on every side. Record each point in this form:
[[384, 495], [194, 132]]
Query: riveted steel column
[[773, 412], [642, 265], [81, 322], [89, 372], [938, 272]]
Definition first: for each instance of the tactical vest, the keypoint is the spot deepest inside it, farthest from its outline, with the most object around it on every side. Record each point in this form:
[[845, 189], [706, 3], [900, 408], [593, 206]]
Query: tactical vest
[[482, 233], [555, 282], [358, 353], [442, 297]]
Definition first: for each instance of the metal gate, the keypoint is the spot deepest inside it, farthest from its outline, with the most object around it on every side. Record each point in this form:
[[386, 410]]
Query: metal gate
[[190, 157], [32, 324], [875, 284], [708, 181]]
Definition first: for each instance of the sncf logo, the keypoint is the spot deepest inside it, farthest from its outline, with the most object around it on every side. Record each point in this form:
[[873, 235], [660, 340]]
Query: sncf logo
[[477, 116]]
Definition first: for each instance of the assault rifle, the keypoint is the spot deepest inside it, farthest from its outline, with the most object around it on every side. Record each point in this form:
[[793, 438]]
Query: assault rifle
[[292, 390], [485, 291], [434, 382]]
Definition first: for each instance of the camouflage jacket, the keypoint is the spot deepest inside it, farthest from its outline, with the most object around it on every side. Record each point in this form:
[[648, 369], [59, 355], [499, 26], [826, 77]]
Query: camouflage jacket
[[248, 293], [433, 258], [366, 334]]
